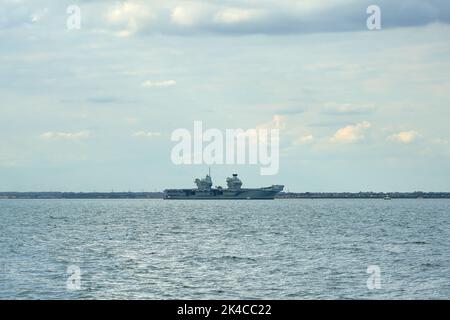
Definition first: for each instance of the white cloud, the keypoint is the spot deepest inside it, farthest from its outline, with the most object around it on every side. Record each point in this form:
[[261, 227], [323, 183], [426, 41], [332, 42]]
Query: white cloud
[[278, 122], [347, 108], [307, 138], [146, 134], [164, 83], [38, 15], [131, 120], [236, 15], [405, 137], [351, 133], [310, 6], [125, 18], [52, 135], [186, 15], [129, 17], [440, 141]]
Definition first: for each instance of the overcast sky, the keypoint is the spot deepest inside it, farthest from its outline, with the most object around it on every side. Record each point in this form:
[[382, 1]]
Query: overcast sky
[[93, 108]]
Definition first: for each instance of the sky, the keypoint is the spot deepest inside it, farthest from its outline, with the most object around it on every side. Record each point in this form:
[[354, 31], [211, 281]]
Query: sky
[[93, 109]]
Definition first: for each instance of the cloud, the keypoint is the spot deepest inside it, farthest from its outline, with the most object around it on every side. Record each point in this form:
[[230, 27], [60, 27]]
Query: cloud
[[146, 134], [405, 137], [291, 110], [164, 83], [347, 108], [277, 122], [197, 17], [74, 136], [307, 138], [287, 16], [129, 17], [188, 15], [103, 100], [236, 15], [351, 133], [38, 15], [131, 120], [440, 141]]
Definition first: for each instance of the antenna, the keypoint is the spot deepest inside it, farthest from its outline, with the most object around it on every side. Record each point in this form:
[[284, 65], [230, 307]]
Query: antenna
[[209, 171]]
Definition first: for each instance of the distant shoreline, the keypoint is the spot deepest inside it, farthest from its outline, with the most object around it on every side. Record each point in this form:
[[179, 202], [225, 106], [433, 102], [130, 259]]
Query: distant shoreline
[[283, 195]]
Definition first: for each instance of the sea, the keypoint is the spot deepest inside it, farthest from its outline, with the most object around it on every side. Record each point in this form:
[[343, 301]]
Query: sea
[[268, 249]]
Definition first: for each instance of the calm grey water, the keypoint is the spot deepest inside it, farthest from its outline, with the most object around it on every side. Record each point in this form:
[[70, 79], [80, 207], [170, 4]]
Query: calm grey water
[[281, 249]]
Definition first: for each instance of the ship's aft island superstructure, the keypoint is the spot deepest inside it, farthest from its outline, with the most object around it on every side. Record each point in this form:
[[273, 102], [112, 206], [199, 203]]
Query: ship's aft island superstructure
[[234, 190]]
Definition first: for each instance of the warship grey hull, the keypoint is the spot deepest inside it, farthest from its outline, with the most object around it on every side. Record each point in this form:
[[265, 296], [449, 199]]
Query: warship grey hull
[[217, 194], [234, 191]]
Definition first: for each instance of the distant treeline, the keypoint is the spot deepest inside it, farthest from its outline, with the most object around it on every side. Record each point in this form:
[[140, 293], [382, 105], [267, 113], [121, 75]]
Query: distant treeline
[[283, 195], [365, 195], [81, 195]]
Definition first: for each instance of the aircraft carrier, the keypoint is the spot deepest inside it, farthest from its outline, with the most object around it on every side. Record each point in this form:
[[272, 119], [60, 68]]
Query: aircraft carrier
[[234, 191]]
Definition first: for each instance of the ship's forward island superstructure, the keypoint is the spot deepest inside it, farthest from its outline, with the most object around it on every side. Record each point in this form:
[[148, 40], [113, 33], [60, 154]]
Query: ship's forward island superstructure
[[234, 190]]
